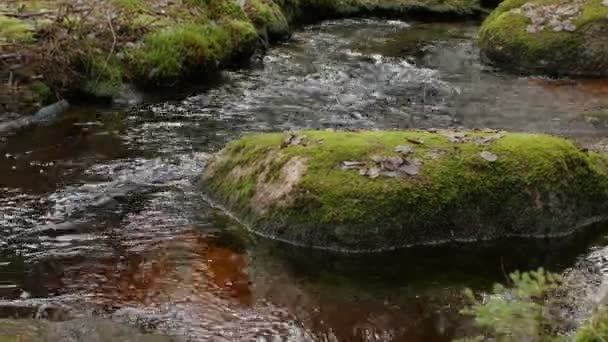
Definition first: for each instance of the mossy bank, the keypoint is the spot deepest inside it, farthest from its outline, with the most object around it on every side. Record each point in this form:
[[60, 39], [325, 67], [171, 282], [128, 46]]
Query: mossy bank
[[90, 49], [380, 190], [554, 37]]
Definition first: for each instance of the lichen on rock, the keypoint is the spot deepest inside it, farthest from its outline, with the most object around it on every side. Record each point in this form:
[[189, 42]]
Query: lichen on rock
[[346, 190], [555, 37]]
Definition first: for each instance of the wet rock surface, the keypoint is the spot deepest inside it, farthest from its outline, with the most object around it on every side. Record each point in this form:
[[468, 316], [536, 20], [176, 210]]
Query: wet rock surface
[[45, 115]]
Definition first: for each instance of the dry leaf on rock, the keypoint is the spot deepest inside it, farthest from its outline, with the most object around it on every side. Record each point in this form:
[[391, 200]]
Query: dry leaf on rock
[[489, 156], [404, 150]]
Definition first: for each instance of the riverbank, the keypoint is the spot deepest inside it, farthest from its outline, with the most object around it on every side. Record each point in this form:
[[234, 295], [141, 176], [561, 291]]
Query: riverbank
[[91, 49]]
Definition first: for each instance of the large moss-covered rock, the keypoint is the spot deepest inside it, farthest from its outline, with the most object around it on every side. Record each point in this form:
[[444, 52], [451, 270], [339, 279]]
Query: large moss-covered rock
[[556, 37], [380, 190]]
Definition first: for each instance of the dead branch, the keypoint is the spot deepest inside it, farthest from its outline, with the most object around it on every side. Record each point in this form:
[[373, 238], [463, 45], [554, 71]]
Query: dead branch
[[114, 39], [27, 15]]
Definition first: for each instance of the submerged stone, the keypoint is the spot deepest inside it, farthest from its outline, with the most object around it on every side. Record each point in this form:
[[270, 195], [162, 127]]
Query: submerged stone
[[344, 190], [555, 37]]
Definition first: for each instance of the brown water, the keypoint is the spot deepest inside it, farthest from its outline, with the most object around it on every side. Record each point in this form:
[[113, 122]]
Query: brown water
[[100, 213]]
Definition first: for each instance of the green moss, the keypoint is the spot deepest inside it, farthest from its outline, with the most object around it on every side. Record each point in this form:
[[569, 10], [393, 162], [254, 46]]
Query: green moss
[[105, 77], [504, 39], [596, 330], [242, 36], [174, 52], [41, 92], [219, 9], [14, 30], [9, 339], [540, 185], [143, 21], [131, 5], [267, 16]]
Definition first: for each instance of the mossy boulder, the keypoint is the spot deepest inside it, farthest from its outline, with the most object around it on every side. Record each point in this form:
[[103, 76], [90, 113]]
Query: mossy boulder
[[268, 18], [554, 37], [349, 191], [185, 50]]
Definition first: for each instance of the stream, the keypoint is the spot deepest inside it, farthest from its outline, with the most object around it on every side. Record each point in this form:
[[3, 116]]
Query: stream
[[100, 213]]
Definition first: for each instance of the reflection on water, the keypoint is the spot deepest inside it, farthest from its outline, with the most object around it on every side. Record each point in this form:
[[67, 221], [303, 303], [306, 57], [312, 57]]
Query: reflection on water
[[100, 214]]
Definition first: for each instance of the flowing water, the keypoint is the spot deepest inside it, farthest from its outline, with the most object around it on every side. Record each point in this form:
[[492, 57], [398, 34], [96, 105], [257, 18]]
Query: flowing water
[[100, 212]]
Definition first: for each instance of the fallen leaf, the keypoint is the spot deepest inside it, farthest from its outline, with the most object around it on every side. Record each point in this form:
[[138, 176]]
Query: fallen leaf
[[373, 172], [404, 150], [489, 139], [350, 165], [410, 169], [392, 163], [489, 156], [455, 137], [377, 159], [288, 139], [295, 140], [300, 140], [435, 154], [390, 174]]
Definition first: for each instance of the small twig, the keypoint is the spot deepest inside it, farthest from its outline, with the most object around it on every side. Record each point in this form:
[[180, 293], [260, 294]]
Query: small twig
[[26, 15], [504, 272], [10, 55], [114, 39]]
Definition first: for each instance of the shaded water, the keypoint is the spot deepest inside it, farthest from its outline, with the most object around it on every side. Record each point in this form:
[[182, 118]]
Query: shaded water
[[100, 213]]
